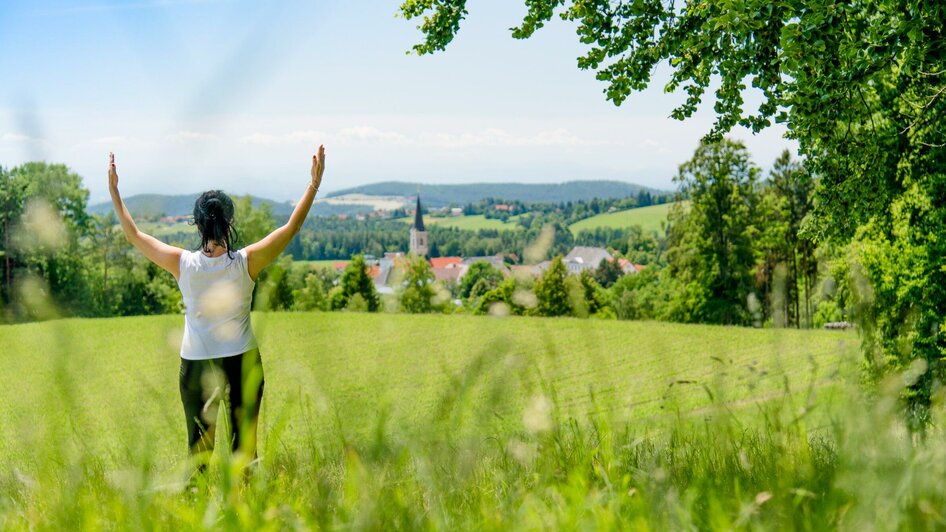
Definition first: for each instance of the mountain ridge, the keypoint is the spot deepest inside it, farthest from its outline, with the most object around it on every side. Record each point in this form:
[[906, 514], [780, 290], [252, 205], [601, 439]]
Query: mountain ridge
[[152, 205], [442, 195]]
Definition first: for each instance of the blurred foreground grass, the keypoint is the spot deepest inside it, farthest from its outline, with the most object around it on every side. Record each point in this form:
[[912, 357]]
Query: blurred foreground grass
[[399, 421]]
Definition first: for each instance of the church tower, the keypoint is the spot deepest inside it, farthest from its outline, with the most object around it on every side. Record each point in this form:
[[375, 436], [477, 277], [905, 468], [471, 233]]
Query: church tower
[[418, 233]]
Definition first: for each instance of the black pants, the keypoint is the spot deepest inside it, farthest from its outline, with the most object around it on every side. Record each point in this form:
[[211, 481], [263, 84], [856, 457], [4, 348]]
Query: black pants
[[204, 382]]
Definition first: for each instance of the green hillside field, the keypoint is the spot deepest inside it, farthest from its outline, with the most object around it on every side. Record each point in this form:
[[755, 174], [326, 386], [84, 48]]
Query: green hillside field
[[381, 421], [649, 218], [402, 367]]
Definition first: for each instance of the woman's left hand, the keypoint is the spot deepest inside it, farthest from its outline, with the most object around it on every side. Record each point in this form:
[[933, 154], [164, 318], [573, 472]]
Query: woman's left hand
[[112, 172]]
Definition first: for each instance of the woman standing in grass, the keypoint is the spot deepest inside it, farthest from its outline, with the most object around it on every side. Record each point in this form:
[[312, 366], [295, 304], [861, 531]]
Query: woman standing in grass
[[219, 353]]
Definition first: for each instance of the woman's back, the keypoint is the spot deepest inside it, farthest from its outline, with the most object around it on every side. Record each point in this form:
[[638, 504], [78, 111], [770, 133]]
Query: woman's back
[[217, 293]]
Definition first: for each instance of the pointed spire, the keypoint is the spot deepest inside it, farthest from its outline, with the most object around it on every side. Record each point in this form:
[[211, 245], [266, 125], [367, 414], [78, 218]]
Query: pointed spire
[[418, 216]]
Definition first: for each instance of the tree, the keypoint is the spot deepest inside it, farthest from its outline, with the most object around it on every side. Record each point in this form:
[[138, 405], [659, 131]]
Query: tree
[[859, 85], [12, 192], [479, 271], [272, 291], [503, 295], [311, 296], [711, 250], [792, 187], [608, 272], [105, 239], [252, 223], [551, 290], [356, 281], [418, 293], [594, 297], [42, 225]]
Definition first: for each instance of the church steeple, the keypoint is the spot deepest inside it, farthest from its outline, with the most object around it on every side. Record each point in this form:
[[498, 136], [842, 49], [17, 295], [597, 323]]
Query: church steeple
[[418, 233], [418, 217]]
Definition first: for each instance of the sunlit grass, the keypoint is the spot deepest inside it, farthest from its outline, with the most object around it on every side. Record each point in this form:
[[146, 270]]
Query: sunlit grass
[[398, 421], [649, 218]]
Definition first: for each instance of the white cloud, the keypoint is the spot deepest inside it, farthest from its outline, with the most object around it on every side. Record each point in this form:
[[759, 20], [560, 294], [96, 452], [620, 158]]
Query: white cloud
[[370, 133], [296, 137], [501, 137], [192, 136], [18, 138], [117, 140]]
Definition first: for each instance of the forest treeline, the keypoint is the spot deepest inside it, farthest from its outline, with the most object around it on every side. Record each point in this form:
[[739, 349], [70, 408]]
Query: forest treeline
[[732, 252]]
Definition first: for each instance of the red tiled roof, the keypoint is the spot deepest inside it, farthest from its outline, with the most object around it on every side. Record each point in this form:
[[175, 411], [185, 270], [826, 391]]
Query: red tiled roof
[[443, 262], [373, 271]]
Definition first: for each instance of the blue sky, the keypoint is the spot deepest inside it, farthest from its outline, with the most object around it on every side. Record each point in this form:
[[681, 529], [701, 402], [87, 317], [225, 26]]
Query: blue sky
[[236, 95]]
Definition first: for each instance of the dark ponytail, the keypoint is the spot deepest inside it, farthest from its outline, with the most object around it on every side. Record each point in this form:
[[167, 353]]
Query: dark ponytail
[[213, 216]]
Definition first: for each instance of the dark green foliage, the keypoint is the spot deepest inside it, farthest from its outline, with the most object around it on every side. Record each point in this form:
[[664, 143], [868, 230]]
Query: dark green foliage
[[551, 290], [356, 283], [479, 273], [608, 272], [645, 295], [479, 289], [273, 291], [789, 269], [711, 251], [503, 296], [594, 297]]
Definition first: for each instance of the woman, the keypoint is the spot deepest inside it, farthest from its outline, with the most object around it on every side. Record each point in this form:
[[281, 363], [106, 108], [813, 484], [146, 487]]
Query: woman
[[219, 353]]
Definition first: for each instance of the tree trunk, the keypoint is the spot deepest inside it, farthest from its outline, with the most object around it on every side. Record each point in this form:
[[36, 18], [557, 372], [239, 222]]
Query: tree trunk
[[6, 256], [105, 278], [795, 293]]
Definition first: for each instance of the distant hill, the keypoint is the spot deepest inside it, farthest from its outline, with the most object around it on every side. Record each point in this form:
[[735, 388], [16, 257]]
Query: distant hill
[[151, 205], [648, 218], [441, 195], [159, 204]]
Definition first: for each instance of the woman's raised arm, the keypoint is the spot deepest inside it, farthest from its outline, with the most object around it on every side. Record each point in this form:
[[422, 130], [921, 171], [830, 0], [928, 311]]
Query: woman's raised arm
[[264, 252], [165, 256]]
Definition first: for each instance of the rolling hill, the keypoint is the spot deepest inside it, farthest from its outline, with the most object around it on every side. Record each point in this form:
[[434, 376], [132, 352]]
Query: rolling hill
[[176, 205], [649, 218], [151, 205], [442, 195]]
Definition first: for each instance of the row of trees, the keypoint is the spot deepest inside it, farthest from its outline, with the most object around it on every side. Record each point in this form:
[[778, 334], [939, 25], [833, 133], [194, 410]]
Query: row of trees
[[733, 254], [59, 260]]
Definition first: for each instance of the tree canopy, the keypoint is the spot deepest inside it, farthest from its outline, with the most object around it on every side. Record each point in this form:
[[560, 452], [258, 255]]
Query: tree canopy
[[859, 84]]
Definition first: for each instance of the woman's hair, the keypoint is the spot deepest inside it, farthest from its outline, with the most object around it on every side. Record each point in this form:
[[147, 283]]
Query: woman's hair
[[213, 216]]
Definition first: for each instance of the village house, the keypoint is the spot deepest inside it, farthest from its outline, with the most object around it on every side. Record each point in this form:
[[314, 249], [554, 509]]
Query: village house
[[452, 269]]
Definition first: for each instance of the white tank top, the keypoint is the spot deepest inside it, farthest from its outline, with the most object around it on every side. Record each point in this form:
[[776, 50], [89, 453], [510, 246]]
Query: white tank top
[[217, 295]]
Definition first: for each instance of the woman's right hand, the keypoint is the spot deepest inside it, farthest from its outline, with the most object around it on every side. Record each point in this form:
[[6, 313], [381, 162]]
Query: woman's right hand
[[318, 167]]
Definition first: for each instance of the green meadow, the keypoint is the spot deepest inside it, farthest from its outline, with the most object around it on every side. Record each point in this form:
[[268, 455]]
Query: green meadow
[[378, 421], [649, 218]]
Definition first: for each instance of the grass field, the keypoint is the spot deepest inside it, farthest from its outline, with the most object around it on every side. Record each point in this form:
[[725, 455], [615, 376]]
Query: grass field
[[649, 218], [328, 263], [473, 222], [399, 421]]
